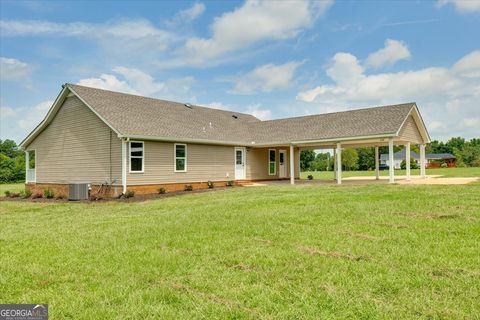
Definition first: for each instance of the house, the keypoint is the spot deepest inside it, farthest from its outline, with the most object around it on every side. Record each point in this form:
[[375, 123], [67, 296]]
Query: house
[[398, 157], [124, 141], [433, 160]]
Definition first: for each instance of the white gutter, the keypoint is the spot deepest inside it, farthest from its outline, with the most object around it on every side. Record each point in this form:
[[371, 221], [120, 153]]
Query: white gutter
[[199, 141]]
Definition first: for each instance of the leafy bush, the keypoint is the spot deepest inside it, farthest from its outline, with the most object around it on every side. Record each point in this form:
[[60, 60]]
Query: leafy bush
[[162, 190], [9, 194], [27, 193], [49, 194], [129, 194], [37, 195], [210, 184], [413, 164], [310, 177], [188, 187], [229, 183]]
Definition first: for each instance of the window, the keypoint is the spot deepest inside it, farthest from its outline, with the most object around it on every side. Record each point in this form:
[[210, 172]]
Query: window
[[272, 162], [180, 157], [136, 156], [239, 157]]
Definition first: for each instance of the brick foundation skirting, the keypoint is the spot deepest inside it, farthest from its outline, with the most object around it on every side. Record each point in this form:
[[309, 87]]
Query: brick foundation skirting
[[115, 191]]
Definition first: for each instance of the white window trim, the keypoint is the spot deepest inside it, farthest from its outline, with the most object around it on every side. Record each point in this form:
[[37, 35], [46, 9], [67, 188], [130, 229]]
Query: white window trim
[[175, 157], [130, 157], [269, 162]]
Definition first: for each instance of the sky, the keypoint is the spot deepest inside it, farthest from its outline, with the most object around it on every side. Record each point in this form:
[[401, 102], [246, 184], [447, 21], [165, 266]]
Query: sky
[[273, 59]]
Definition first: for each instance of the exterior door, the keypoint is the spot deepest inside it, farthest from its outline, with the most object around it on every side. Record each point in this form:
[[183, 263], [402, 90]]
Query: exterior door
[[239, 163], [282, 165]]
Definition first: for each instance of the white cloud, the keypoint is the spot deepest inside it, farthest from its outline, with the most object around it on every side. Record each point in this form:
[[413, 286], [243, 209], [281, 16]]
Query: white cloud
[[6, 112], [446, 96], [254, 21], [469, 65], [138, 82], [266, 78], [463, 6], [13, 69], [119, 34], [262, 114], [189, 14], [472, 122], [393, 51]]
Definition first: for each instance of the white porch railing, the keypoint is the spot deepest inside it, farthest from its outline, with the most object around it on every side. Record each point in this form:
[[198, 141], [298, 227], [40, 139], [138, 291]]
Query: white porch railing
[[30, 176]]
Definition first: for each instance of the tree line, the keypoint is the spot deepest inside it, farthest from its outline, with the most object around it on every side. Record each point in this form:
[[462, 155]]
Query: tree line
[[467, 154]]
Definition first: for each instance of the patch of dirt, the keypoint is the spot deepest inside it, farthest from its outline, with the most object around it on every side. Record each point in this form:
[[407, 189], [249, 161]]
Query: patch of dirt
[[452, 272], [333, 254], [428, 215], [262, 240], [392, 225], [243, 267], [365, 236], [136, 198]]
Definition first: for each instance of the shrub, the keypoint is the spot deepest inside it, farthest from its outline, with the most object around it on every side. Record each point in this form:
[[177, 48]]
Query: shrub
[[162, 190], [444, 165], [310, 177], [49, 194], [188, 187], [61, 196], [210, 184], [229, 183], [27, 193], [476, 163], [129, 194], [9, 194], [37, 195]]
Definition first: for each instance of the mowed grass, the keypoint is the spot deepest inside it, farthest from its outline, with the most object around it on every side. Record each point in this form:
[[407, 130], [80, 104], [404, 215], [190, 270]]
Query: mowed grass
[[12, 187], [444, 172], [277, 252]]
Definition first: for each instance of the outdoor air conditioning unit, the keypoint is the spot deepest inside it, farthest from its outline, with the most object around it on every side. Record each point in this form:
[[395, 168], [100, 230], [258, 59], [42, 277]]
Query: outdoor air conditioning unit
[[78, 191]]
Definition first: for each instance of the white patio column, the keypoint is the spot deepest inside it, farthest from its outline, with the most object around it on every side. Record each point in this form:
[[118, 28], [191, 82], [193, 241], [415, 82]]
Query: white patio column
[[407, 159], [27, 164], [334, 164], [422, 161], [391, 167], [339, 163], [292, 165], [124, 165], [377, 164]]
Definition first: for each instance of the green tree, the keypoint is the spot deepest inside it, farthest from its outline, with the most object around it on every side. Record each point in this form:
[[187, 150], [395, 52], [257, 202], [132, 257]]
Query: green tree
[[349, 159], [306, 157], [366, 158], [322, 162]]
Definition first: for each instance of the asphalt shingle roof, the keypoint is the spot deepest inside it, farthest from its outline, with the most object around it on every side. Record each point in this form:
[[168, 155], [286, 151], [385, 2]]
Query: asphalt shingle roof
[[133, 115]]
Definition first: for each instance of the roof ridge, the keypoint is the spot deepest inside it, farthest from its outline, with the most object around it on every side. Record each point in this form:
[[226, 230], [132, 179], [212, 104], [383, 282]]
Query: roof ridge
[[163, 100], [345, 111]]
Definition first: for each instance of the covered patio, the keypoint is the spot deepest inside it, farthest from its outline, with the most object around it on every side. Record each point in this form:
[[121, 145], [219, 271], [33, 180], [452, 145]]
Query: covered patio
[[411, 131]]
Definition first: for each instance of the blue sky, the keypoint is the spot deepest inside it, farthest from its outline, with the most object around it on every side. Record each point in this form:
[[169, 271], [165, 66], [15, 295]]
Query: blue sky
[[271, 59]]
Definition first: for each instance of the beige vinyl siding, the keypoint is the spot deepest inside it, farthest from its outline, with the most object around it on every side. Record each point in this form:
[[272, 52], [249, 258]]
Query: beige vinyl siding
[[76, 147], [204, 163], [410, 132], [257, 163]]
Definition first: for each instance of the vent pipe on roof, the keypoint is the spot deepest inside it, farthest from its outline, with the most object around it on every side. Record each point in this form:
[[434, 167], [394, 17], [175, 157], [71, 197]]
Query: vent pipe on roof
[[234, 116], [188, 105]]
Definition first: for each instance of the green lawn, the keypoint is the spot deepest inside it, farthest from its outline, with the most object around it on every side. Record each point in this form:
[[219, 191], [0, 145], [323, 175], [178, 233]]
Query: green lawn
[[12, 187], [444, 172], [277, 252]]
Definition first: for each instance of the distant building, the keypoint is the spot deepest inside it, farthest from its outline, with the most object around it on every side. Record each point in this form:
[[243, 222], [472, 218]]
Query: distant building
[[434, 160]]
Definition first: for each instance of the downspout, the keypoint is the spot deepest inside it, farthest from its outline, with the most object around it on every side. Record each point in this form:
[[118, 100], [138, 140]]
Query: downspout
[[124, 165]]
